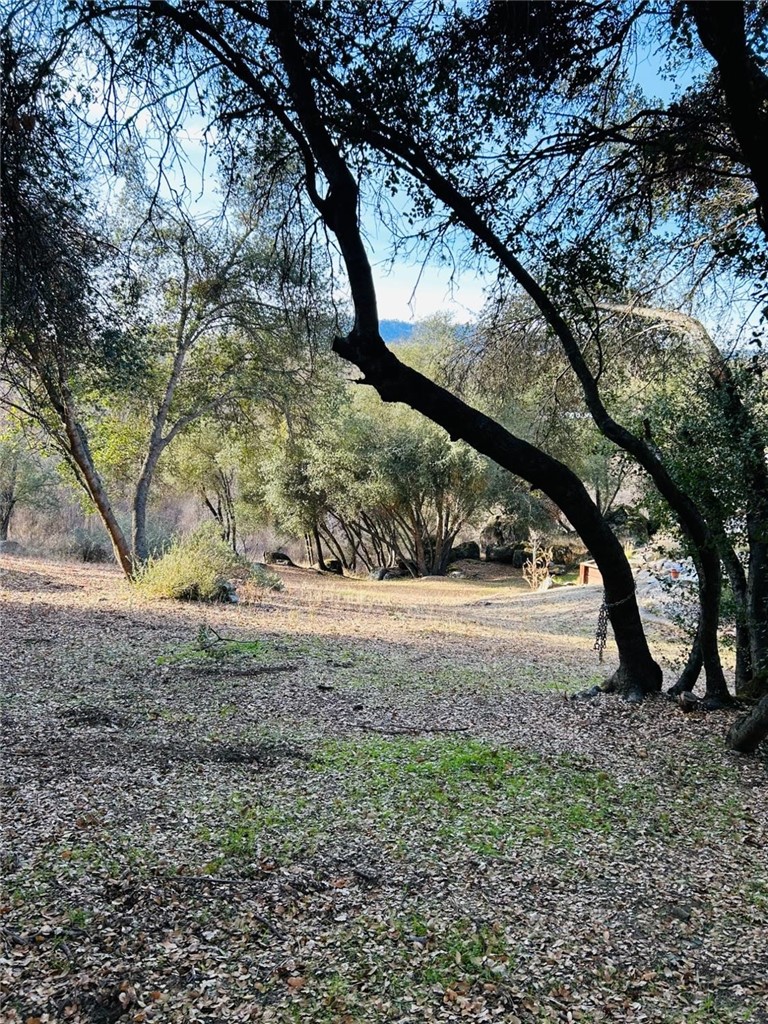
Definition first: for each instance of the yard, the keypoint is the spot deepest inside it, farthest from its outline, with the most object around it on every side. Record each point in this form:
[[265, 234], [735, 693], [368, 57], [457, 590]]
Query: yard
[[360, 801]]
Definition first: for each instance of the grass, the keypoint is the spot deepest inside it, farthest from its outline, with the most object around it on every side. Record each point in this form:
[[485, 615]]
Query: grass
[[419, 797], [199, 568], [420, 800], [444, 876]]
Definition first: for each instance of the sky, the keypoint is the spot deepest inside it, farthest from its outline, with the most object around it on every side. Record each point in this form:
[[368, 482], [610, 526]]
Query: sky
[[408, 292], [406, 289]]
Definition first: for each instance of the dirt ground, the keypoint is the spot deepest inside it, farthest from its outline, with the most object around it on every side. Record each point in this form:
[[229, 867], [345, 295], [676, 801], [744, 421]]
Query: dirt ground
[[362, 801]]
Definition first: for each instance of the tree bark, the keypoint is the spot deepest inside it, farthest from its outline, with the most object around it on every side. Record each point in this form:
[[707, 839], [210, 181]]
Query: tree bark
[[7, 505], [757, 609], [140, 499], [692, 669], [318, 546], [748, 732], [722, 31], [89, 477]]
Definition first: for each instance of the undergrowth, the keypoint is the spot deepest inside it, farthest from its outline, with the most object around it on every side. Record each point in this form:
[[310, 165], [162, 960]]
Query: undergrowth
[[201, 567]]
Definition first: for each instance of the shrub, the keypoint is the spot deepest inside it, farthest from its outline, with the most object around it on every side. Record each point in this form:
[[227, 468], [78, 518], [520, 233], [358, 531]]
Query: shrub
[[536, 569], [195, 568], [258, 582]]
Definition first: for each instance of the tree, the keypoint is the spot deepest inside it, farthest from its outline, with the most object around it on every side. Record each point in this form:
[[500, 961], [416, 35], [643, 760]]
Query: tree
[[207, 315], [712, 427], [293, 105], [26, 480], [322, 100], [378, 487], [54, 327], [216, 329]]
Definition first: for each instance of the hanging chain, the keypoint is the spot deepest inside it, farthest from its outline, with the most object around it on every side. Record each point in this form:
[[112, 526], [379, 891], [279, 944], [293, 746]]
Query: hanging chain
[[601, 633]]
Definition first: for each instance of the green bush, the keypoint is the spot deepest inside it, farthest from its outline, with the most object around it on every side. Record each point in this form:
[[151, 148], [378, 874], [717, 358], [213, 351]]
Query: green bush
[[200, 567]]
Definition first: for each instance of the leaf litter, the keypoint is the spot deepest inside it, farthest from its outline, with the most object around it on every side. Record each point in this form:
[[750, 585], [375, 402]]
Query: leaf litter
[[377, 805]]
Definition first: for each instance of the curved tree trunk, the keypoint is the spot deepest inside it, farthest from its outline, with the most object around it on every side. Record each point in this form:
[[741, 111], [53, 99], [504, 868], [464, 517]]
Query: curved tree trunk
[[747, 732], [692, 669], [638, 673], [91, 481]]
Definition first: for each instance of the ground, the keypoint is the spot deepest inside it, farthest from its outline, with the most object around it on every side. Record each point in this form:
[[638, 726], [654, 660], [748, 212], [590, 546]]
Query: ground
[[379, 804]]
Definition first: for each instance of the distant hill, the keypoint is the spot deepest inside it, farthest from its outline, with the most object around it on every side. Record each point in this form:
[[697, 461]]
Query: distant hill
[[396, 330]]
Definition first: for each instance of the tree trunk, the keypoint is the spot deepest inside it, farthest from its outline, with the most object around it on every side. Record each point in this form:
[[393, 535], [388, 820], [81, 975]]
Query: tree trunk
[[139, 520], [745, 85], [692, 669], [8, 498], [89, 477], [738, 581], [318, 547], [757, 610], [747, 732], [7, 505], [638, 673], [141, 497]]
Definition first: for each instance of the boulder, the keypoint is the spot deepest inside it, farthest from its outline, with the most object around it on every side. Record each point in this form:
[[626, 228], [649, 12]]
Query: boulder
[[503, 553], [629, 524], [568, 553], [387, 572], [331, 565], [470, 549], [11, 547], [277, 558], [507, 554]]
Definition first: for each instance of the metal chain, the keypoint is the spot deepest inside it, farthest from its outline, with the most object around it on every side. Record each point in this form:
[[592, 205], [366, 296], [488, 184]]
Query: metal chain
[[601, 633]]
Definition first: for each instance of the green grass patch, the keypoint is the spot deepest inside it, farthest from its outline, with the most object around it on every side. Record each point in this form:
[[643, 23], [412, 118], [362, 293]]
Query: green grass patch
[[420, 796]]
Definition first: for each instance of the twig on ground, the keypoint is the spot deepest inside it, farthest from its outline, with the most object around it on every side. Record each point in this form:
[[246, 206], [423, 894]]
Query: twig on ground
[[410, 729]]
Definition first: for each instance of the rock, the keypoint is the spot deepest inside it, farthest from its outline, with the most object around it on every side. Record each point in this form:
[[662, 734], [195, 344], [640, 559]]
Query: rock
[[332, 565], [11, 547], [520, 557], [470, 549], [627, 523], [568, 554], [227, 593], [277, 558], [387, 572], [507, 554], [593, 691]]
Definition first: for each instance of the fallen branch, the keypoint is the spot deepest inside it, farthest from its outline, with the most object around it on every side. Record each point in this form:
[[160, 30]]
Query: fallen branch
[[214, 880], [254, 670], [410, 729]]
